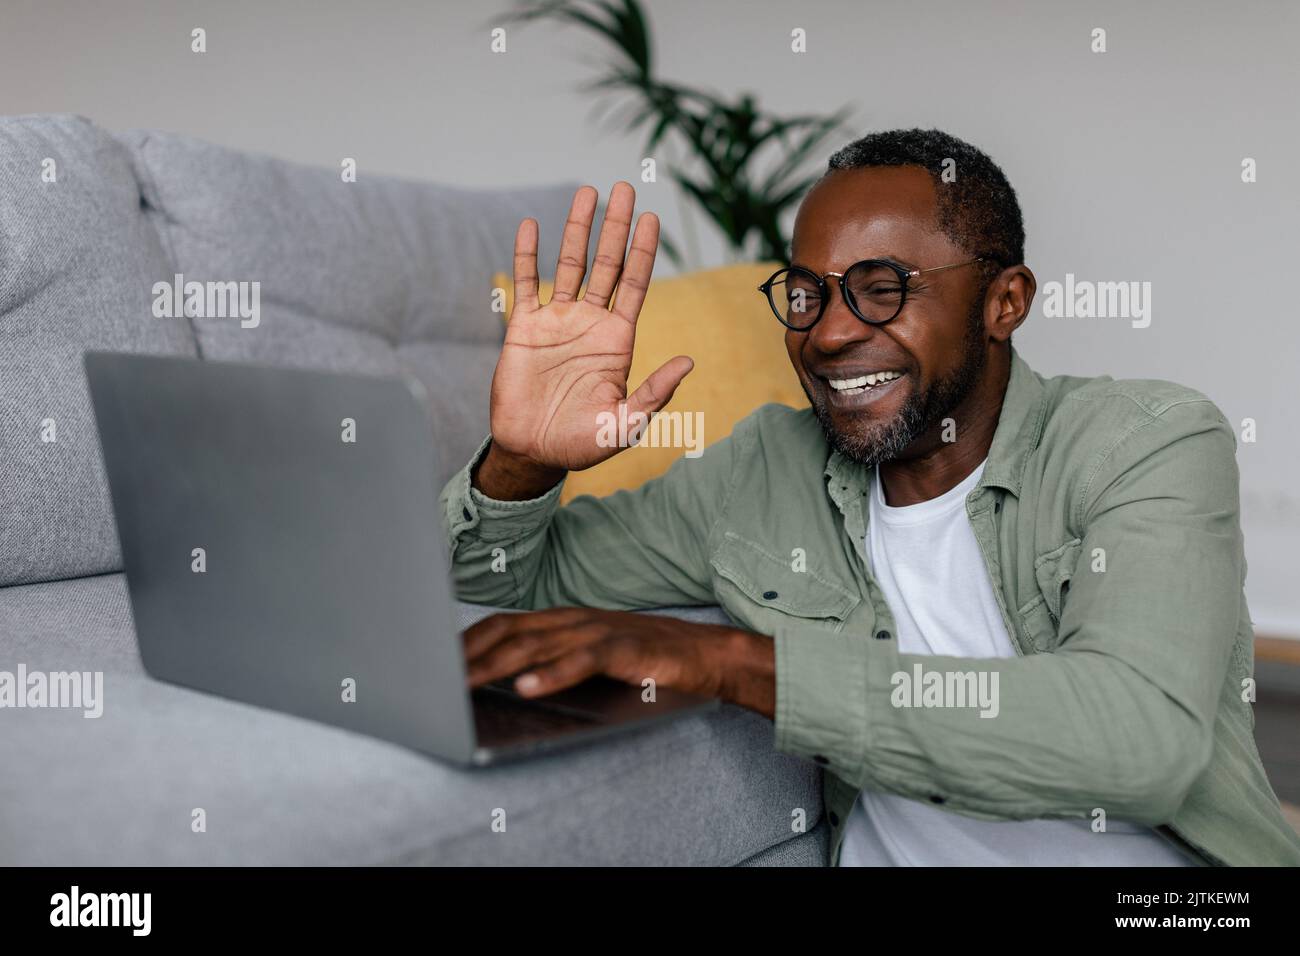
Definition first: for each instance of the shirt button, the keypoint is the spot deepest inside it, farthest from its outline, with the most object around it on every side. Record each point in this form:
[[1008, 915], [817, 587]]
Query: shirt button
[[465, 512], [997, 506], [882, 635], [935, 798], [835, 819], [769, 595], [818, 758]]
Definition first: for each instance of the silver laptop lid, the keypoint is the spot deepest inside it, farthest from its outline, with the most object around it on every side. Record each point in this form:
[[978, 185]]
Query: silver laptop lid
[[283, 544]]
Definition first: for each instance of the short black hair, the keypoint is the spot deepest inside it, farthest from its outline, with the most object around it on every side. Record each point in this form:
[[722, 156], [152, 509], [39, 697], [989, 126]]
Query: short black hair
[[978, 210]]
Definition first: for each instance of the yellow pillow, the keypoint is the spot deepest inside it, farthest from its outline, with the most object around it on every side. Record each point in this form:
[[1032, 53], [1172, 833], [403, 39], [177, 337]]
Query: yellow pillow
[[720, 320]]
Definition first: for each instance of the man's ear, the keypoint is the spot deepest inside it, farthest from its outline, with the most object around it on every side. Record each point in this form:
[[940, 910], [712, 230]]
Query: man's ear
[[1007, 301]]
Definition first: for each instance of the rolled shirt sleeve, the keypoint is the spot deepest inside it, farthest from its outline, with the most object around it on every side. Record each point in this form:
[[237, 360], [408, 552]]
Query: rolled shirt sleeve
[[648, 547]]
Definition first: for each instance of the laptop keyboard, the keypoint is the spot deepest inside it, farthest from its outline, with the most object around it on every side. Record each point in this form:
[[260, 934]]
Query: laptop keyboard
[[561, 703], [502, 716]]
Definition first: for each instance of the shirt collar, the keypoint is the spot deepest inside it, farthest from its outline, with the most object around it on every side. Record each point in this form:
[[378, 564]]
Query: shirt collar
[[1020, 426]]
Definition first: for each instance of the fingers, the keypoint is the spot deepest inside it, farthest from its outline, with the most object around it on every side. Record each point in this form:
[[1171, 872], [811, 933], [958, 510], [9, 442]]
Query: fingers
[[640, 264], [528, 649], [526, 266], [510, 657], [612, 245], [566, 671], [657, 390], [482, 636], [572, 264]]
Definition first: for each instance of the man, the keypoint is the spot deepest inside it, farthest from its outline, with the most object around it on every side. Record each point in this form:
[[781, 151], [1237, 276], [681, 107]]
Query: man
[[1005, 613]]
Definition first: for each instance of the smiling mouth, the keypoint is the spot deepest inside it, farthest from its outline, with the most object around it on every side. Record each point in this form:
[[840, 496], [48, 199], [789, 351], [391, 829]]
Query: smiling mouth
[[862, 384]]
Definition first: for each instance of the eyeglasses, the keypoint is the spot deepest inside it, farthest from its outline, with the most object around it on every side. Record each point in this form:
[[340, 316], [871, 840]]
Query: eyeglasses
[[875, 290]]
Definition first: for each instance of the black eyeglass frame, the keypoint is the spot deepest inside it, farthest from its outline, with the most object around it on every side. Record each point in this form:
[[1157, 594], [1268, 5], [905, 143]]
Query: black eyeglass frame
[[904, 276]]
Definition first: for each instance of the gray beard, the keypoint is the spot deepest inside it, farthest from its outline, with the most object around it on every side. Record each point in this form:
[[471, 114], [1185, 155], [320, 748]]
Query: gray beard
[[922, 411]]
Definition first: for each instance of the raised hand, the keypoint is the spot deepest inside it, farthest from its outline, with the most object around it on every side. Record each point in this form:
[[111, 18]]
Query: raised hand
[[565, 363]]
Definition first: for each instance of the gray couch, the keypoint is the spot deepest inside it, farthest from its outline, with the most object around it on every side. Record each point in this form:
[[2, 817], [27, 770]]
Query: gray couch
[[379, 276]]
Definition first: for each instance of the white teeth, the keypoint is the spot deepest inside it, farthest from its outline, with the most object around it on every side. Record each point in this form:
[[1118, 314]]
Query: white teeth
[[863, 382], [843, 383]]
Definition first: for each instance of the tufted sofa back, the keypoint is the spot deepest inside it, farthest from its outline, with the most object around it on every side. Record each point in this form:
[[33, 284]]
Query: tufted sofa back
[[379, 276]]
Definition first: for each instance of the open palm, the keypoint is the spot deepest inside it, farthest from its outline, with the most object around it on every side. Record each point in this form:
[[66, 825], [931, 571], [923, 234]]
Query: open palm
[[565, 364]]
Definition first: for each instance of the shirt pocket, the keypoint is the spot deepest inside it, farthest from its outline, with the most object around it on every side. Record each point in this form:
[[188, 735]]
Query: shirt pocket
[[1041, 615], [761, 590]]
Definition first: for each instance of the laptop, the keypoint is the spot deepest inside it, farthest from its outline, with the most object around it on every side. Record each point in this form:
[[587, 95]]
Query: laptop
[[271, 561]]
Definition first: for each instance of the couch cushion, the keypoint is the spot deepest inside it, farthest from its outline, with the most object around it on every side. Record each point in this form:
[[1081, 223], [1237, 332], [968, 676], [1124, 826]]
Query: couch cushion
[[381, 275], [806, 849], [121, 788], [78, 261]]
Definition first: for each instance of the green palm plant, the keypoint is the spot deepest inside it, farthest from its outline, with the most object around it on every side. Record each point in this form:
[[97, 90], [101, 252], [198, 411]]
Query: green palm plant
[[745, 166]]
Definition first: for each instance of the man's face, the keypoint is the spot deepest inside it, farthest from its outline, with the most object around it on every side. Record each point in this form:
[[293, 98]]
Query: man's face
[[937, 343]]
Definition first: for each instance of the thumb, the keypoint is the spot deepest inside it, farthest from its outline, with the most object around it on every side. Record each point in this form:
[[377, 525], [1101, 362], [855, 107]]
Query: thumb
[[657, 390]]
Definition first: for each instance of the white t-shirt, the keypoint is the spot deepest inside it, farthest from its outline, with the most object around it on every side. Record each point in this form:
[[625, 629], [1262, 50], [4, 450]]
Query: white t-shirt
[[929, 567]]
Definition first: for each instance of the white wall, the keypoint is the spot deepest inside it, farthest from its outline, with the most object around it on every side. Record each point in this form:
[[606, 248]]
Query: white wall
[[1127, 163]]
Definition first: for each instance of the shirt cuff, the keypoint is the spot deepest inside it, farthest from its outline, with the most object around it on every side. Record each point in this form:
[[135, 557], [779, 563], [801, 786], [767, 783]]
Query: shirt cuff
[[821, 696], [466, 508]]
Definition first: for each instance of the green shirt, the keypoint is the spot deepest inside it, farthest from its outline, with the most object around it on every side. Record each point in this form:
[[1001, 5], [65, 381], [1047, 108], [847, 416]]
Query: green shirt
[[1107, 515]]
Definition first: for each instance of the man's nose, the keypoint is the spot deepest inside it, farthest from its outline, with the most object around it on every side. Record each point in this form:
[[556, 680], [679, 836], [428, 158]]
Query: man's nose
[[839, 327]]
